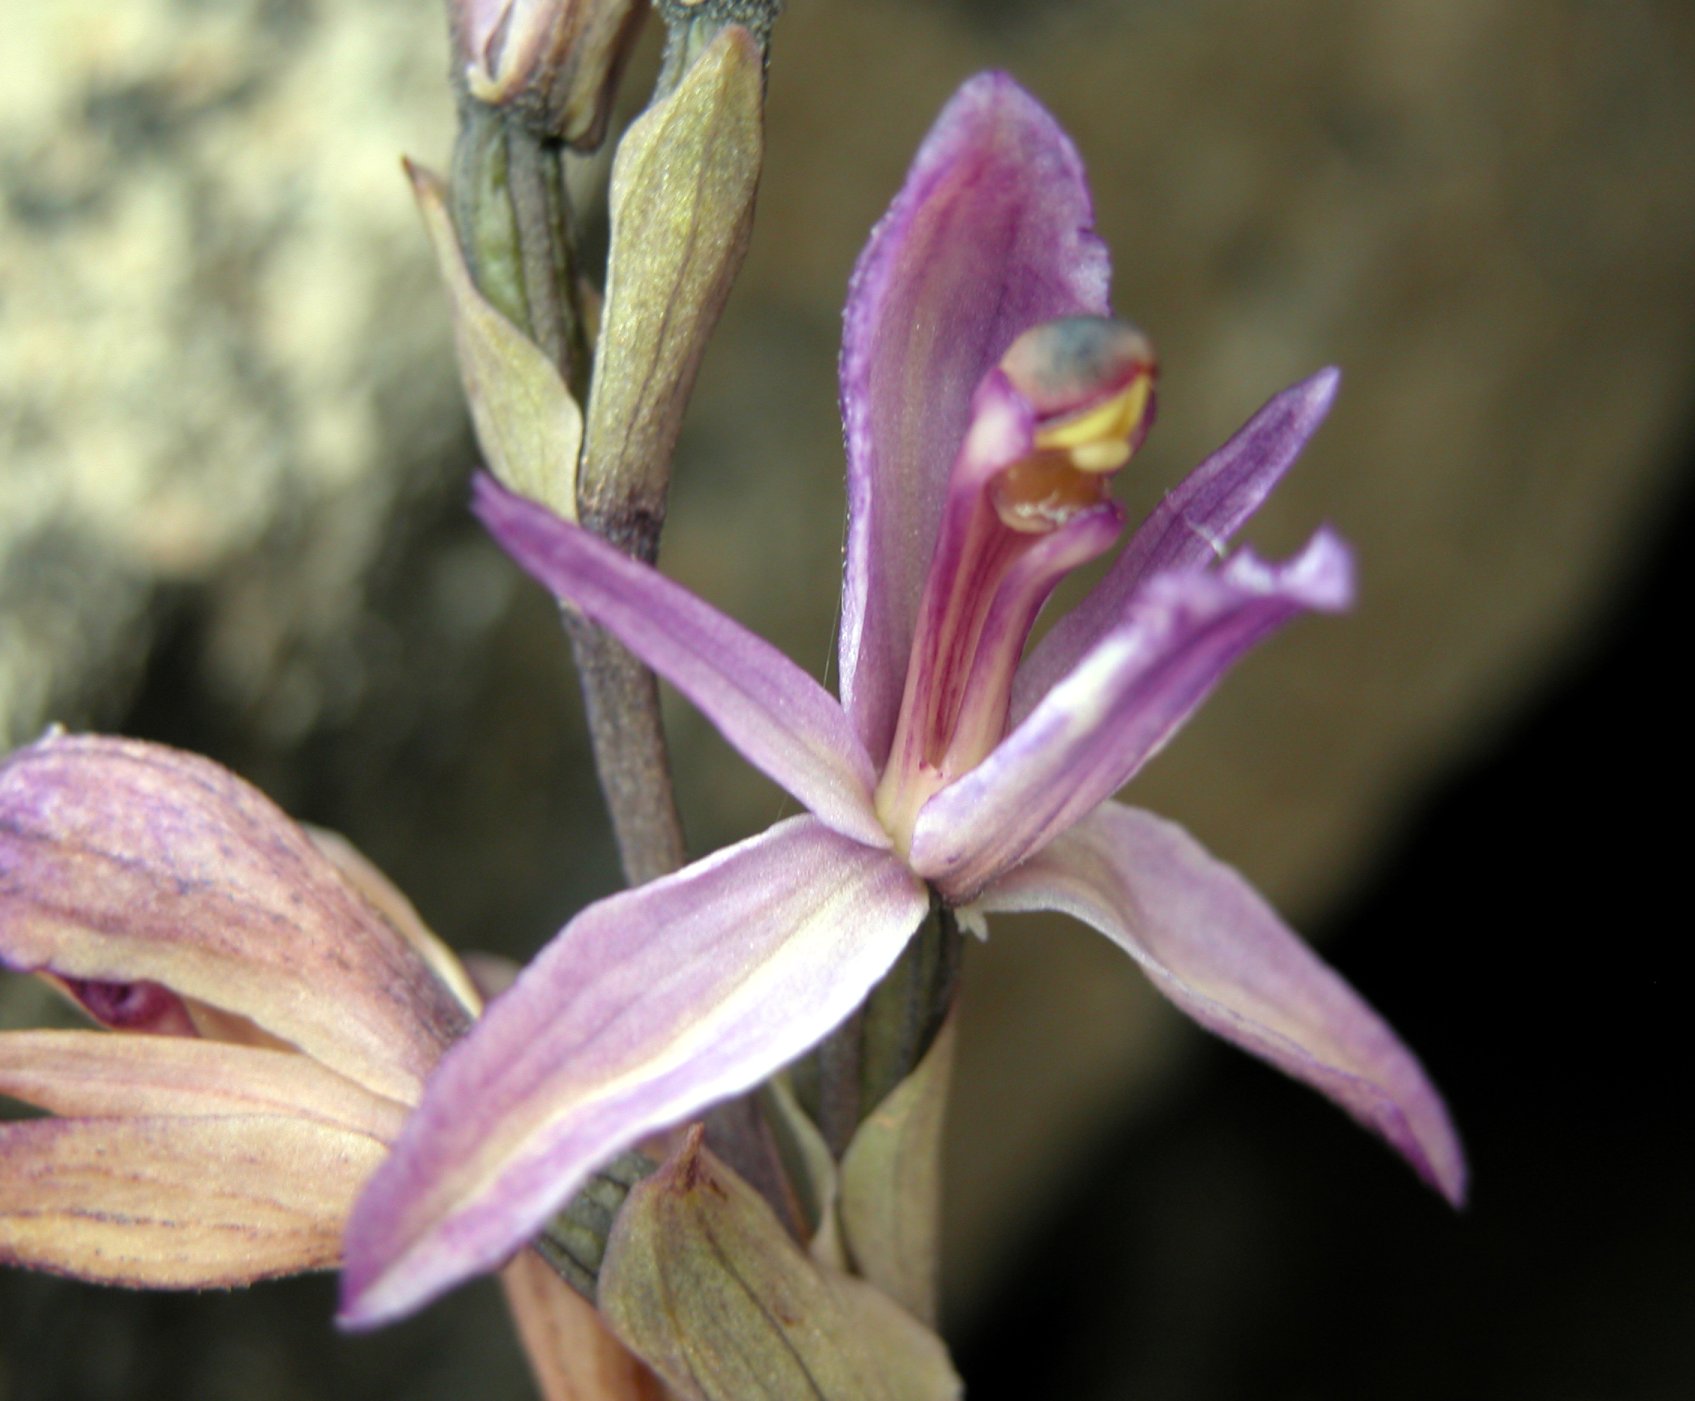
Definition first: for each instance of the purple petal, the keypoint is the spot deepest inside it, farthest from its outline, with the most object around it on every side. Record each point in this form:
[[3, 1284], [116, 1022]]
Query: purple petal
[[1217, 950], [1187, 530], [1008, 621], [782, 721], [1115, 710], [648, 1007], [161, 890], [990, 234]]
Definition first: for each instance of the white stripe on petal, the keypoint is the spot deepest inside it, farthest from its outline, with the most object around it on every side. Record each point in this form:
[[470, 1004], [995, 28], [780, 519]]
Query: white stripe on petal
[[1188, 530], [1214, 947], [1115, 710], [647, 1007], [784, 723]]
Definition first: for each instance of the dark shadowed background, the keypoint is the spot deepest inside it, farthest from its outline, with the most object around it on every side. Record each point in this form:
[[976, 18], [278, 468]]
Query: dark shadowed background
[[232, 473]]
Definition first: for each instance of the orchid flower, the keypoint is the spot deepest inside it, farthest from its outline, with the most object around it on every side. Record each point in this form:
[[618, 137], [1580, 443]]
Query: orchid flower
[[272, 1006], [988, 398], [272, 1003]]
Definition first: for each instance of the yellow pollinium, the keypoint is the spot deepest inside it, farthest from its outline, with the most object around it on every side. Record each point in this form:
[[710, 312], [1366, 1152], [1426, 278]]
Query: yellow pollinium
[[1074, 458], [1098, 439]]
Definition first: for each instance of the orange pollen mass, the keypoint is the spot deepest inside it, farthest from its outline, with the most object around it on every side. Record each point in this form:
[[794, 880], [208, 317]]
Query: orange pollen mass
[[1042, 492]]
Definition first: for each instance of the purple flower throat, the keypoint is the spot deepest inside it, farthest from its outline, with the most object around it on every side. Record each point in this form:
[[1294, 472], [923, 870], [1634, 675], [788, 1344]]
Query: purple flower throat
[[1026, 503]]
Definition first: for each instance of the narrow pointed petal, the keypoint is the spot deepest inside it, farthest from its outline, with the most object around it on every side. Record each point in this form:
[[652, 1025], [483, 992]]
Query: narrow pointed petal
[[991, 233], [182, 1203], [96, 1075], [131, 863], [648, 1007], [1216, 949], [1091, 733], [784, 723], [1187, 530]]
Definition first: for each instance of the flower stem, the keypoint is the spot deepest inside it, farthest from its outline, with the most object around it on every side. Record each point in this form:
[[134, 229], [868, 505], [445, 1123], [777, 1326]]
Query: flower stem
[[514, 220], [622, 702], [854, 1069], [690, 25]]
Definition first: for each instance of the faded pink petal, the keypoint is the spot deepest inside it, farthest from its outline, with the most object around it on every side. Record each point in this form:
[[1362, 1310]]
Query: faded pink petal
[[645, 1009], [175, 1203], [784, 723], [103, 1075], [1215, 948], [130, 863], [1091, 733]]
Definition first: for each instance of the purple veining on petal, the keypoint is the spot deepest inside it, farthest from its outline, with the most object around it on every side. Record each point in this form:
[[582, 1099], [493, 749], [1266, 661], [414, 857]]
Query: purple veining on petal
[[982, 720], [972, 551], [1216, 949], [647, 1007], [1115, 710], [131, 863], [991, 233], [782, 721], [1190, 528]]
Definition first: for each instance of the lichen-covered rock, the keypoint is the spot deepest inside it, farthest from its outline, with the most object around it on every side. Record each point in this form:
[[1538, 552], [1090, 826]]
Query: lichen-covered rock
[[218, 336]]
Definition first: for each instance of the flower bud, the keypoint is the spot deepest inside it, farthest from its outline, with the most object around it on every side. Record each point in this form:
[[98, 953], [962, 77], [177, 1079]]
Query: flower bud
[[682, 195], [703, 1283], [559, 61]]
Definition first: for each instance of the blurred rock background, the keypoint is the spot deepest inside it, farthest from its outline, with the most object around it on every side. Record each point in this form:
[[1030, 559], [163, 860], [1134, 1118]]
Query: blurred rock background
[[232, 473]]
